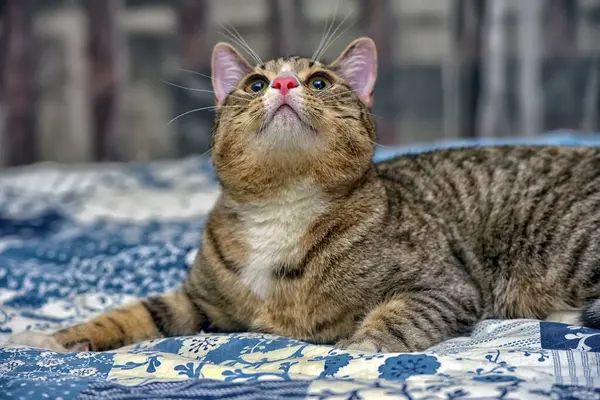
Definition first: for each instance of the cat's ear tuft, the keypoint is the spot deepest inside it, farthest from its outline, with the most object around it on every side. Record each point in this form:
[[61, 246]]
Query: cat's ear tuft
[[228, 68], [358, 66]]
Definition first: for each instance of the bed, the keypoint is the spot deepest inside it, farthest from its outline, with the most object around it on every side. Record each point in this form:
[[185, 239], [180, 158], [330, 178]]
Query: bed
[[75, 241]]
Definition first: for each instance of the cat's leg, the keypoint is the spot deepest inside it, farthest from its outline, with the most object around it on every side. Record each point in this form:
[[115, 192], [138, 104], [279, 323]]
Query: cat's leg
[[171, 314], [415, 321]]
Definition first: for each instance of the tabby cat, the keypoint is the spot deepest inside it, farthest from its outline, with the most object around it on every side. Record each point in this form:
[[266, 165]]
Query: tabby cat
[[309, 239]]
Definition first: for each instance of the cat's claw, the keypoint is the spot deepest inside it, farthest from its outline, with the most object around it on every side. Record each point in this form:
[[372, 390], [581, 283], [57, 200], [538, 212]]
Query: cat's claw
[[363, 345], [38, 340], [363, 341], [366, 344]]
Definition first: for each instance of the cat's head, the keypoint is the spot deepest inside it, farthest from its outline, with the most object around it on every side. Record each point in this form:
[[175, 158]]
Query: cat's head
[[293, 118]]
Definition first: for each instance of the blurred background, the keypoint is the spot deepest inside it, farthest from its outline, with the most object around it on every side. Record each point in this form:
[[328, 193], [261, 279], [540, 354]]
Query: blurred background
[[84, 80]]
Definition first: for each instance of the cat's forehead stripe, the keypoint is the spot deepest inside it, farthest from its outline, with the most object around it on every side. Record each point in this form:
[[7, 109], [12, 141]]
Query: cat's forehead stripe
[[288, 64]]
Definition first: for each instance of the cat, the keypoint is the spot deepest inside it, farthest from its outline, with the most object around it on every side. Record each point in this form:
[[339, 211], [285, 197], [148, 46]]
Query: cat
[[311, 240]]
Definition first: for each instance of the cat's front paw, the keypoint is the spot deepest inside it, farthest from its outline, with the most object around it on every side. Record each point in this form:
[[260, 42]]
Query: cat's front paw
[[371, 344], [38, 340], [47, 342]]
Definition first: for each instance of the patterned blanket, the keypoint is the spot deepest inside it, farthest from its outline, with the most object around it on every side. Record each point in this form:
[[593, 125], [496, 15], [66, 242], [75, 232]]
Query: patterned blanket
[[75, 241]]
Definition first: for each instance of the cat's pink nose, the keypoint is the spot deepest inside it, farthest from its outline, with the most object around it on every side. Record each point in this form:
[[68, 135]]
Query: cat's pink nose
[[284, 83]]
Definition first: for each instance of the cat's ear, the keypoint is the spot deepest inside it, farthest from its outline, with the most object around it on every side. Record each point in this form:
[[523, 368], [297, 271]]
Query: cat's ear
[[228, 68], [358, 66]]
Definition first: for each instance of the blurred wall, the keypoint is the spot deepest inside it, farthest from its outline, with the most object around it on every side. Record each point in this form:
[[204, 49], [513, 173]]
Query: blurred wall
[[84, 80]]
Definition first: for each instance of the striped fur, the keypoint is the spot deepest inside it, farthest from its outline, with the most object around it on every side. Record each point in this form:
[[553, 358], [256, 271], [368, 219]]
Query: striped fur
[[321, 245]]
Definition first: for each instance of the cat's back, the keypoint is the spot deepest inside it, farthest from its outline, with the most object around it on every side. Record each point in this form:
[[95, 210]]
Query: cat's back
[[496, 187], [481, 177], [477, 160], [528, 215]]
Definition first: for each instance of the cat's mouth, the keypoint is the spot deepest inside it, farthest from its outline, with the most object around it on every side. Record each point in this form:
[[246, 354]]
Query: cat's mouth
[[287, 115], [286, 111]]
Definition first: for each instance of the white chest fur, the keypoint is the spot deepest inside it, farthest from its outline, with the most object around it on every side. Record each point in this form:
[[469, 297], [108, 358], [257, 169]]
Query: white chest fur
[[274, 231]]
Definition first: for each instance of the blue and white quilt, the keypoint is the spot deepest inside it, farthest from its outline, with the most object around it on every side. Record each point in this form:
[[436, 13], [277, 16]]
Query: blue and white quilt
[[75, 241]]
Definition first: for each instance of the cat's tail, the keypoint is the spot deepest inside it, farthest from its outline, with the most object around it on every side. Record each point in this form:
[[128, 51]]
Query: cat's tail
[[171, 314], [590, 316]]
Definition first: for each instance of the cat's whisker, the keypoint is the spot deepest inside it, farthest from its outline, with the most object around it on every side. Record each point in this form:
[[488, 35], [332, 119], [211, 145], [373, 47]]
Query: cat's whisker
[[374, 143], [237, 121], [207, 151], [239, 35], [262, 126], [327, 35], [200, 74], [241, 44], [331, 96], [238, 39], [189, 112], [350, 109], [320, 42], [338, 36], [229, 132], [231, 36], [333, 122], [332, 39], [199, 109], [250, 120], [235, 160], [327, 95], [197, 89], [326, 31]]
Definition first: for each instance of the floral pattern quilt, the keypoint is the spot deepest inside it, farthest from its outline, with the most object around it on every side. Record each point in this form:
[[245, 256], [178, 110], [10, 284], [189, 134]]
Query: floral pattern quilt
[[78, 240]]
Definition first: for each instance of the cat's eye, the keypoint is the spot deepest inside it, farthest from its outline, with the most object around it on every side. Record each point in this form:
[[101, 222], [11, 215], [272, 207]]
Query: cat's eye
[[257, 84], [319, 82]]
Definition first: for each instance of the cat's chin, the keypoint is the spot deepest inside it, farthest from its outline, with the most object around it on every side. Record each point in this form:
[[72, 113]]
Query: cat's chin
[[286, 132]]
